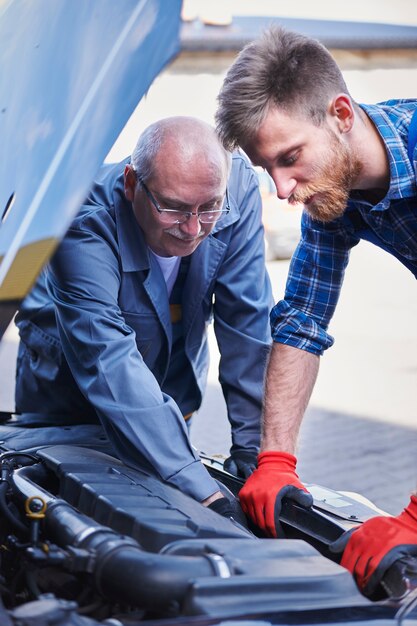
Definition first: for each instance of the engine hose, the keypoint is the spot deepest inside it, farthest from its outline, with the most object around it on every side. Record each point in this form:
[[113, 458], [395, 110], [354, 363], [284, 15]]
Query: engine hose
[[4, 509], [121, 570]]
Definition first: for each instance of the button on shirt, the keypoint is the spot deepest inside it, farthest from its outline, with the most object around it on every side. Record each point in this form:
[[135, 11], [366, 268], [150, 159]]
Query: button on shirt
[[317, 268]]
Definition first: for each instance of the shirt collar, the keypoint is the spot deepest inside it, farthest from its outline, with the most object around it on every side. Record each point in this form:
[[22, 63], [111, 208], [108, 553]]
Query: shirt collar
[[229, 218], [132, 245]]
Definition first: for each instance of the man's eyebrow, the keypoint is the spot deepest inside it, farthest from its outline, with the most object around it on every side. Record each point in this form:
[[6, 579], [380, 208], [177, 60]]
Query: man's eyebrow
[[281, 155], [263, 163], [176, 202], [294, 148], [169, 200]]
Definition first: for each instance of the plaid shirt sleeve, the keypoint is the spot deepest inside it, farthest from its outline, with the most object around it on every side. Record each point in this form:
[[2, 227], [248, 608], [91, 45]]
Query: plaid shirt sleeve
[[313, 285]]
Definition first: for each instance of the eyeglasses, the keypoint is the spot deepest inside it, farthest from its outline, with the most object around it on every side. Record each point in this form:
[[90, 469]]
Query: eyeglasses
[[178, 215]]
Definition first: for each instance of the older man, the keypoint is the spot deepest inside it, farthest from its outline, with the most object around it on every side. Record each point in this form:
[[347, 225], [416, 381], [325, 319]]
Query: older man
[[285, 102], [116, 330]]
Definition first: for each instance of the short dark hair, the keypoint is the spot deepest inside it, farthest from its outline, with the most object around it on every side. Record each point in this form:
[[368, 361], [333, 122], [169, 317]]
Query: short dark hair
[[283, 69]]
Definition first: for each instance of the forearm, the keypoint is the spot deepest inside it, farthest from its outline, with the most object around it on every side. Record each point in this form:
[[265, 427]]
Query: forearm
[[290, 379]]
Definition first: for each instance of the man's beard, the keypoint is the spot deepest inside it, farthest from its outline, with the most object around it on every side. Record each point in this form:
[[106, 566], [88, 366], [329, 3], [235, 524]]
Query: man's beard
[[332, 184]]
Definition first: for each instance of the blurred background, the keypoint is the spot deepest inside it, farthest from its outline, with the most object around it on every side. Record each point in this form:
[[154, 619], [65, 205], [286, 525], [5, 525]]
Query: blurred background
[[360, 431]]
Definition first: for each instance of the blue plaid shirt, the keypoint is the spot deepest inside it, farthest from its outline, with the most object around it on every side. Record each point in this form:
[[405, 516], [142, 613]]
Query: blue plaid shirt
[[318, 265]]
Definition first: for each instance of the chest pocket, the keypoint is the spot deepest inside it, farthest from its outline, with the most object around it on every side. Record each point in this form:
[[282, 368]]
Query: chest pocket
[[44, 351]]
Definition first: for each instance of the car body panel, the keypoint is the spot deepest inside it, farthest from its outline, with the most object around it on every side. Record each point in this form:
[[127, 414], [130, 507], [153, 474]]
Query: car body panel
[[71, 75]]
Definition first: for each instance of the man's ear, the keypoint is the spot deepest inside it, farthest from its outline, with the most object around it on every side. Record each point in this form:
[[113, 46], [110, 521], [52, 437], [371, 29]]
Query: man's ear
[[129, 183], [342, 112]]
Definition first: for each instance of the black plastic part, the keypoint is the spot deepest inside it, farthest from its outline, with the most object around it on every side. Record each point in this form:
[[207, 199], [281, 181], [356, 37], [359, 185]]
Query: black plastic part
[[122, 571], [331, 515], [320, 525], [272, 572], [7, 310], [5, 416], [132, 502], [275, 574], [5, 619], [216, 576]]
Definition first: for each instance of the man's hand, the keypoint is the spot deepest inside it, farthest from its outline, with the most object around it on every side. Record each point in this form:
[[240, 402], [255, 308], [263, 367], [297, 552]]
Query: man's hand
[[262, 493], [370, 549], [241, 463], [229, 508]]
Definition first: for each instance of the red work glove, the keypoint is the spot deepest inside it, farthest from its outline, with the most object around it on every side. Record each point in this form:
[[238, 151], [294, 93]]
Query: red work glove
[[370, 549], [262, 493]]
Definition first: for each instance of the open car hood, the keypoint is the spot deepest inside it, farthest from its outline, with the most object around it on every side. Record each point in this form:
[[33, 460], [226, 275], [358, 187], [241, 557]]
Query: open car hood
[[71, 75]]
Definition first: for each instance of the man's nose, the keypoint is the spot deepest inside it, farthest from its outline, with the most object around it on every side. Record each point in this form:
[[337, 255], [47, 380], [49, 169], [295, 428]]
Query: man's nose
[[192, 226], [285, 185]]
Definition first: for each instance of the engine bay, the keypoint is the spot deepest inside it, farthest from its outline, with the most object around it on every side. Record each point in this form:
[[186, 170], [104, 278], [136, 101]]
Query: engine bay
[[86, 538]]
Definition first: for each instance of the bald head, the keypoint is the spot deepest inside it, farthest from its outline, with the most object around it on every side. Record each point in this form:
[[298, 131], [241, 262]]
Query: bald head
[[182, 143]]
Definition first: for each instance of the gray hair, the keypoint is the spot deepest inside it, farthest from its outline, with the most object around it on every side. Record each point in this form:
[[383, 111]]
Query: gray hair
[[183, 130], [282, 69], [146, 149]]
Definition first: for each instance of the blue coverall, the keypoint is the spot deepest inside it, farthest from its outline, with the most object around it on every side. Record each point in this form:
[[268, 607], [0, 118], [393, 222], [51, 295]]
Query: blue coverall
[[97, 338]]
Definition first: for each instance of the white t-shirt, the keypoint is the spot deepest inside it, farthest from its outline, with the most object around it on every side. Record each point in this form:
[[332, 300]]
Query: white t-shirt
[[169, 266]]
